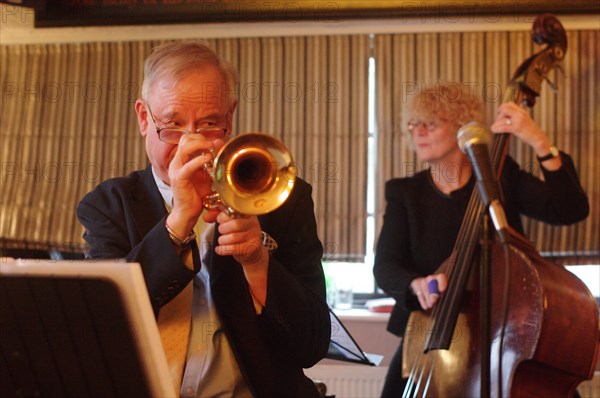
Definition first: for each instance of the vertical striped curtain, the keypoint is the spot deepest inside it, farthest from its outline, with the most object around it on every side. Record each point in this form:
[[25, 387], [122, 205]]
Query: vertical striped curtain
[[69, 123], [486, 61], [312, 93]]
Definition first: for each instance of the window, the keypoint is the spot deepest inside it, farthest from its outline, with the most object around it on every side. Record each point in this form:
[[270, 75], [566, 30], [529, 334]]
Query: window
[[359, 275], [590, 275]]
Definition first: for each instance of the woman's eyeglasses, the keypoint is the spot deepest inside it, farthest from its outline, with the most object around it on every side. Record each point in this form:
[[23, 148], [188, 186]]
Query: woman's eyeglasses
[[414, 124]]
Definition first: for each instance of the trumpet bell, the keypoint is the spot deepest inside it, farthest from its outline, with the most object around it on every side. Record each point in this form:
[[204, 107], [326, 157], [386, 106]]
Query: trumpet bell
[[253, 174]]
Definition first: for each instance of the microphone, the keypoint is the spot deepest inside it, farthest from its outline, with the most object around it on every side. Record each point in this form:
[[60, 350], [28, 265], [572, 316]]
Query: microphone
[[473, 140]]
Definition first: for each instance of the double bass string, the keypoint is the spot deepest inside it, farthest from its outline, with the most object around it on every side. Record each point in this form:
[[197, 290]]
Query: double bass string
[[464, 249], [459, 273], [441, 313], [419, 366], [426, 367]]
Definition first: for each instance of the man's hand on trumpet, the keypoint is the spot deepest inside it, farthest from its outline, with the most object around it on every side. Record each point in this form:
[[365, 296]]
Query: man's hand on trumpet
[[190, 181], [241, 238]]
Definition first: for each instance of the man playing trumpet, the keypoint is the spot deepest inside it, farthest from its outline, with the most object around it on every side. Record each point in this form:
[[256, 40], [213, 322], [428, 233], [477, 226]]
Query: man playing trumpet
[[252, 317]]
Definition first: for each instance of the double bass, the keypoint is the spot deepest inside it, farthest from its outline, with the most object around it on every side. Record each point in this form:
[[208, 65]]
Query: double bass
[[537, 334]]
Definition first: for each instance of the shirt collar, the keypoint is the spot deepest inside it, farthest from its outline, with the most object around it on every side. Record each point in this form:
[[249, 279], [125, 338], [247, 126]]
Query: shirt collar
[[165, 190]]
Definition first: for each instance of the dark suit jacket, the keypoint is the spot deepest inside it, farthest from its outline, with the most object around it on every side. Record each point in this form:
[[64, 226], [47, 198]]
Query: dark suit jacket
[[125, 218]]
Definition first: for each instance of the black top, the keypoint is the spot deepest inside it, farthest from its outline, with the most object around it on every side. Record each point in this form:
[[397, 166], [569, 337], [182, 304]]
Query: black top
[[421, 223]]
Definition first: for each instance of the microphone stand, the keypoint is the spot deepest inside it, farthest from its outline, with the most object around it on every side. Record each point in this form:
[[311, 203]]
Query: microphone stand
[[485, 284]]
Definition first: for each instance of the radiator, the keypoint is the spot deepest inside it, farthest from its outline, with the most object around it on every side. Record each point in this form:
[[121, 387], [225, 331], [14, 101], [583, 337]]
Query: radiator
[[350, 381]]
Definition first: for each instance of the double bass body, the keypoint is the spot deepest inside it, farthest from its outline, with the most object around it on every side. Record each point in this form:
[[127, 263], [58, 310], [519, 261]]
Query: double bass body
[[546, 345]]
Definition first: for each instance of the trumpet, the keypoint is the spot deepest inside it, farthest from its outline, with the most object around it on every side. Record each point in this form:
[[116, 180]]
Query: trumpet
[[252, 174]]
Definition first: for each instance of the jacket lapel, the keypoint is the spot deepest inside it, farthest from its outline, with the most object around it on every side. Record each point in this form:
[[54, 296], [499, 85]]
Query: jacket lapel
[[148, 206]]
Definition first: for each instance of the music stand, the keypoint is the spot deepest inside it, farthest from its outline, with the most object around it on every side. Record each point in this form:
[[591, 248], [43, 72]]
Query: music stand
[[78, 328], [343, 347]]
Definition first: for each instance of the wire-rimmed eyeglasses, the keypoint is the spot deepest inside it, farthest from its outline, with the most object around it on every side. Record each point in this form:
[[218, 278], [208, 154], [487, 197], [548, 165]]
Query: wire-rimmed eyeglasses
[[172, 135], [429, 125]]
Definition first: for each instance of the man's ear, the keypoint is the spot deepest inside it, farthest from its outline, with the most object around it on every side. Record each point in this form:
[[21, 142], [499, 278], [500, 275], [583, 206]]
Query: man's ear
[[142, 116]]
